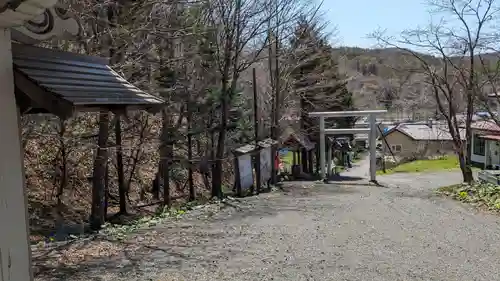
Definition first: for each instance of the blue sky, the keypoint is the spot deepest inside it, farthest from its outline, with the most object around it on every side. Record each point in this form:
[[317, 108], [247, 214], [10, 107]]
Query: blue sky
[[354, 19]]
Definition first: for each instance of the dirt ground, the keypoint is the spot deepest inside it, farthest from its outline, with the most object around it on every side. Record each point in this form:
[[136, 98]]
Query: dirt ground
[[307, 231]]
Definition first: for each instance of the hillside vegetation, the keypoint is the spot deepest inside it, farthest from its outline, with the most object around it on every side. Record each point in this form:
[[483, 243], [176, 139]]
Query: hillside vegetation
[[391, 75], [386, 75]]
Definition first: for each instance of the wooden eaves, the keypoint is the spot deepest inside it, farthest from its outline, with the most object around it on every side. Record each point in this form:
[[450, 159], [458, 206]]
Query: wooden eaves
[[63, 83]]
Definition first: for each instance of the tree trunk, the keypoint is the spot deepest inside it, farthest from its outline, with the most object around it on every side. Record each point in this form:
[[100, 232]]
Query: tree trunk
[[192, 191], [122, 190], [98, 180], [219, 155], [465, 168], [165, 158], [212, 162], [64, 175], [217, 174], [106, 190]]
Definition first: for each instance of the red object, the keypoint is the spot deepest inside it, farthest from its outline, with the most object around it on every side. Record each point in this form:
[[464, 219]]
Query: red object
[[277, 161]]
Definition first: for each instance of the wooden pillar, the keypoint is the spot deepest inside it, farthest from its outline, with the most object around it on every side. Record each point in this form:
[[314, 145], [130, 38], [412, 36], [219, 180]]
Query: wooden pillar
[[373, 147], [294, 157], [310, 165], [487, 158], [329, 160], [322, 147], [317, 161], [305, 161], [15, 255]]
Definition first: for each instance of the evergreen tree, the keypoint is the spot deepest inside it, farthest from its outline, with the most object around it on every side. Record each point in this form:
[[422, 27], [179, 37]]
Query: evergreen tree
[[316, 78]]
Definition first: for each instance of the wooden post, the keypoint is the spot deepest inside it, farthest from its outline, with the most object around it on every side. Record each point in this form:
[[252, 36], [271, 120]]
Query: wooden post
[[329, 160], [373, 147], [97, 217], [237, 172], [310, 163], [322, 147], [304, 161], [119, 165], [15, 255], [487, 158], [384, 151]]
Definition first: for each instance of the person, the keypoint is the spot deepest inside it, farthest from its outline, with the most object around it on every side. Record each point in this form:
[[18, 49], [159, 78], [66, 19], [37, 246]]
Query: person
[[346, 154], [349, 155]]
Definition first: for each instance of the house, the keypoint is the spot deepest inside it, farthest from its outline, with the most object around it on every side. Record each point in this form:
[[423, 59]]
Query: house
[[485, 144], [418, 140]]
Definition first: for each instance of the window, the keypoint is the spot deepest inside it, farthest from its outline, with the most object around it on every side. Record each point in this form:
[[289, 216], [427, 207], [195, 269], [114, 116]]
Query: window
[[396, 147], [479, 145]]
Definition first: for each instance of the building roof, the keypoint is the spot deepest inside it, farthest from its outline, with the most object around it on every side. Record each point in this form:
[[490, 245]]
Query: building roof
[[63, 83], [291, 136], [491, 137], [486, 125], [425, 132], [361, 136]]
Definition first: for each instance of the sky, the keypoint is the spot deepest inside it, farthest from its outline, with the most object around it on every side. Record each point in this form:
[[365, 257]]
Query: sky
[[354, 19]]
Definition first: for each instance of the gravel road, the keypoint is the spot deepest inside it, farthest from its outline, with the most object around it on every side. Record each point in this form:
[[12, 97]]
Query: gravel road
[[338, 231]]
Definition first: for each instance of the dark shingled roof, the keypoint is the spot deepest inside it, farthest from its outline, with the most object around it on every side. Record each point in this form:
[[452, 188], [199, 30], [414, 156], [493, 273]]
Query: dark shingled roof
[[289, 135], [62, 83]]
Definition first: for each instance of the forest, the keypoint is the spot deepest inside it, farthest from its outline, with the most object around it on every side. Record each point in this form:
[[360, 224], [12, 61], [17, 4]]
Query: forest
[[221, 66]]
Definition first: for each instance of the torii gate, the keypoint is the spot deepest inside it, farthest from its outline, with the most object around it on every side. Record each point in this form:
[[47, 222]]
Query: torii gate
[[372, 131]]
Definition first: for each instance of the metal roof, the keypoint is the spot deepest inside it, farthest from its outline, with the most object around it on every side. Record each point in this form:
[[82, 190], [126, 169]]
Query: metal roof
[[68, 82], [425, 132], [491, 137], [486, 125]]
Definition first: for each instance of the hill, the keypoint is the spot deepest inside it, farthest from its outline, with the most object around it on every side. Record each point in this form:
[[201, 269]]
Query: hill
[[381, 77]]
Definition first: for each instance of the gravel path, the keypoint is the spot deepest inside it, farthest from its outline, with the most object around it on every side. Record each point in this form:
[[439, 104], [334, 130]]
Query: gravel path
[[347, 231]]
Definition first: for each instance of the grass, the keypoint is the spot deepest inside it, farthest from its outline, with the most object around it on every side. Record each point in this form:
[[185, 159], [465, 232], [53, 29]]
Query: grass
[[479, 194], [419, 166], [287, 158]]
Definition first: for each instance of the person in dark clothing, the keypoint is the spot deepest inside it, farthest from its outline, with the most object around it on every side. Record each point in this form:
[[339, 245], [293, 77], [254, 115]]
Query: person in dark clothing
[[346, 154], [349, 155]]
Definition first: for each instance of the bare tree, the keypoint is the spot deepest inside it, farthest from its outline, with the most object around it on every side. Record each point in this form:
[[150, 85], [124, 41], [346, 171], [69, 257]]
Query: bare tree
[[241, 37], [463, 32]]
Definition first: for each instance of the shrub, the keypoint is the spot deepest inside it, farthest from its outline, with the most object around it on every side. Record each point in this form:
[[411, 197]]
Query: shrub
[[480, 194]]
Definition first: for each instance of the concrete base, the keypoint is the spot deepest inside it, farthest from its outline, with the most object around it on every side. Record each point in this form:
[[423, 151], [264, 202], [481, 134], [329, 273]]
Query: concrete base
[[15, 256]]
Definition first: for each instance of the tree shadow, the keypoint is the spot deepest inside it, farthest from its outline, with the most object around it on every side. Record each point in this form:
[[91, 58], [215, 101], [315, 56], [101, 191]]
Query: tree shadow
[[140, 254], [341, 178], [199, 239]]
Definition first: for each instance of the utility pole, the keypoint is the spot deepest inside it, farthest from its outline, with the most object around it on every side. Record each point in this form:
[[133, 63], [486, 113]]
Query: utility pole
[[256, 127], [276, 119]]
